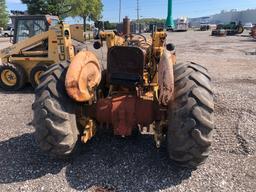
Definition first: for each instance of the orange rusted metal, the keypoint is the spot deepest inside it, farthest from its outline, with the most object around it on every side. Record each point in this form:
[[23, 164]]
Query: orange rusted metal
[[126, 26], [165, 77], [83, 75], [253, 33], [124, 113]]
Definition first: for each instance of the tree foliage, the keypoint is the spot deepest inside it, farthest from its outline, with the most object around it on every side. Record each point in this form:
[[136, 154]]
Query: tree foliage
[[109, 26], [87, 9], [90, 9], [60, 8], [4, 17], [152, 21]]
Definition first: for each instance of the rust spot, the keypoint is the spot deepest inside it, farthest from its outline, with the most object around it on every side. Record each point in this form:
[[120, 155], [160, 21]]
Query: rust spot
[[253, 33], [83, 75], [124, 113], [165, 77]]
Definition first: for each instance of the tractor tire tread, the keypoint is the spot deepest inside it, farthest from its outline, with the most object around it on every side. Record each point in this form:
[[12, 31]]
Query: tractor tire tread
[[21, 75], [56, 131], [190, 116]]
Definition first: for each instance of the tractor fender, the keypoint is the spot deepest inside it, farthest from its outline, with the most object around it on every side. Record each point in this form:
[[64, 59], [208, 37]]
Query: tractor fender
[[83, 76], [253, 32], [165, 77]]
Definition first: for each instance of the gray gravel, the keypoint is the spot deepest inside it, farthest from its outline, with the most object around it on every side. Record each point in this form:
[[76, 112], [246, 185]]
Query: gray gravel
[[134, 164]]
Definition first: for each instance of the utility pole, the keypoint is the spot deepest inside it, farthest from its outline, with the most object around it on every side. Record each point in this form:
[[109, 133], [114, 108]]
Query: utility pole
[[138, 15], [120, 8]]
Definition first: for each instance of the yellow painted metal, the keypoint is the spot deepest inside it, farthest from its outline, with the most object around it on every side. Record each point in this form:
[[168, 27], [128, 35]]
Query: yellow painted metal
[[77, 31], [35, 53], [89, 130], [78, 34], [37, 76], [112, 39], [8, 77], [30, 52], [157, 49], [159, 39]]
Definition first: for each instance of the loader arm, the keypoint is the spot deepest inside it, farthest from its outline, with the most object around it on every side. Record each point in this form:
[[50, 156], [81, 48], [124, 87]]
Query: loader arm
[[59, 47], [18, 47]]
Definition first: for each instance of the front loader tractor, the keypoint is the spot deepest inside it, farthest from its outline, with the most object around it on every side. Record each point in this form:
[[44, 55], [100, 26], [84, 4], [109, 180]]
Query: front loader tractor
[[142, 89], [38, 42], [230, 29]]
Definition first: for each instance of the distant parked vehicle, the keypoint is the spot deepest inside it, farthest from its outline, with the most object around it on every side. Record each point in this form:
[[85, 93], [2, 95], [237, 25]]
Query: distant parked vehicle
[[232, 28], [182, 24], [6, 33], [206, 27], [248, 26]]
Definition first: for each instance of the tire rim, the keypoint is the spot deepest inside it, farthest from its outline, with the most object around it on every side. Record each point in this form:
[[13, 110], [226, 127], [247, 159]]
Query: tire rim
[[37, 76], [9, 77], [240, 29]]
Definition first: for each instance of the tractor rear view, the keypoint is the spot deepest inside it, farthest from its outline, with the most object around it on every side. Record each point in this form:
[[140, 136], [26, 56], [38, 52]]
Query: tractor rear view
[[142, 89]]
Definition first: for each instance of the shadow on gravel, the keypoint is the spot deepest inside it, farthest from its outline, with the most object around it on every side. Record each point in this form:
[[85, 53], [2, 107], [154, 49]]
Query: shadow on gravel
[[131, 164], [21, 160], [248, 40], [27, 89]]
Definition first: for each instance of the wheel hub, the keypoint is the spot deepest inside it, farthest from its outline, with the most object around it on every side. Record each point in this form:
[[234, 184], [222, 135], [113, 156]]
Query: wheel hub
[[9, 77], [37, 76]]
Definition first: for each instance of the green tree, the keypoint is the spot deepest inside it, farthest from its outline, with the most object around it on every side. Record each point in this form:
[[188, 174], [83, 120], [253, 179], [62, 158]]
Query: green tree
[[87, 9], [36, 6], [4, 17], [152, 21], [60, 8], [53, 7], [109, 26]]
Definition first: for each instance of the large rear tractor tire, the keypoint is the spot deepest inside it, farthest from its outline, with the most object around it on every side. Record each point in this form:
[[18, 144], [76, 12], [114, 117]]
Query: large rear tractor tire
[[190, 116], [56, 130], [239, 29]]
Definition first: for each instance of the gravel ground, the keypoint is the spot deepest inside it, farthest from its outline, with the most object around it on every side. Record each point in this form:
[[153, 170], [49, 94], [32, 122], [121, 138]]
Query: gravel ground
[[134, 164]]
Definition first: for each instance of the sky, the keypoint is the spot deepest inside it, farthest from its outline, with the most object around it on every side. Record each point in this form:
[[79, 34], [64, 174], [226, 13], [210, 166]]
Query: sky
[[158, 8]]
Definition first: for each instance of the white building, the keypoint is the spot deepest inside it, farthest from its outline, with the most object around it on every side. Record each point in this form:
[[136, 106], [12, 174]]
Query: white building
[[246, 16]]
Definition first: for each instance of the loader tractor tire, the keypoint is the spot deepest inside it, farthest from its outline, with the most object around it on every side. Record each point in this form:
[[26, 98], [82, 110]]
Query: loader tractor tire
[[56, 130], [12, 77], [36, 73], [190, 122], [219, 26], [239, 29]]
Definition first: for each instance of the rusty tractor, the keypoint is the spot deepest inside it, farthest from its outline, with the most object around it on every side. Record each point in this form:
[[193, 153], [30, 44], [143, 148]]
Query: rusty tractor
[[253, 32], [142, 89]]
